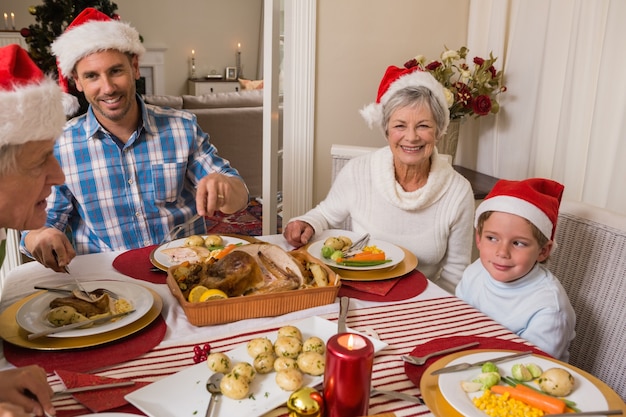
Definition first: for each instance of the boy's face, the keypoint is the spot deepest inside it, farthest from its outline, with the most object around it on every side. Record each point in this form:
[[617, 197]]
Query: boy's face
[[508, 249]]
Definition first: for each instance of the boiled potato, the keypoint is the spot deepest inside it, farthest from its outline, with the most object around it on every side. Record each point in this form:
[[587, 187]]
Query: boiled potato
[[289, 379], [244, 370], [264, 363], [218, 362], [282, 364], [292, 331], [234, 387], [311, 363], [287, 346], [335, 243], [213, 240], [557, 382], [259, 346], [346, 241], [314, 344], [194, 240], [60, 316]]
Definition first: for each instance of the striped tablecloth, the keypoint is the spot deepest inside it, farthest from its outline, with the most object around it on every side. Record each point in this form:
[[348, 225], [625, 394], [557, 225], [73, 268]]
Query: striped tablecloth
[[403, 326]]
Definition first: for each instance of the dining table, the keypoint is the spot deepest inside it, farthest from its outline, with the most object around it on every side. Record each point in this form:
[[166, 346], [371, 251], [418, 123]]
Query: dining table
[[419, 324]]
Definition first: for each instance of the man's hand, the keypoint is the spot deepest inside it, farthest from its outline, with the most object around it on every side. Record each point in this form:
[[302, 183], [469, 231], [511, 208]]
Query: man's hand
[[50, 247], [26, 387], [298, 233], [220, 192]]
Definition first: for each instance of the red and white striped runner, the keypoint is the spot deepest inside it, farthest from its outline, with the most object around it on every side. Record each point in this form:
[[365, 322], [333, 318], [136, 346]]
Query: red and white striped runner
[[402, 326]]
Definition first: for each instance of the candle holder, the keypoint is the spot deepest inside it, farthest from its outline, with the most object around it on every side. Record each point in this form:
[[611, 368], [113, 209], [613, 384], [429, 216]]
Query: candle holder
[[238, 64], [192, 74], [348, 375]]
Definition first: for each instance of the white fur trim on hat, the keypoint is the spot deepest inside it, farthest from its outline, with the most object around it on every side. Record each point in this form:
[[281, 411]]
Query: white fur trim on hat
[[519, 207], [31, 112], [95, 36], [373, 112]]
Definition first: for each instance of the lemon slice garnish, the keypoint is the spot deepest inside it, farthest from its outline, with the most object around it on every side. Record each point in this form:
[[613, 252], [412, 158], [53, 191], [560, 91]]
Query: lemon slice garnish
[[213, 295], [196, 292]]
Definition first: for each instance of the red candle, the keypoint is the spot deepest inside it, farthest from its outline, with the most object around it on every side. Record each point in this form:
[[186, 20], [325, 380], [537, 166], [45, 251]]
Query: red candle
[[348, 375]]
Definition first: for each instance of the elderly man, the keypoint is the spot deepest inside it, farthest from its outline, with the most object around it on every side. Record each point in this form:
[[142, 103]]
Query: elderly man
[[31, 117], [133, 171]]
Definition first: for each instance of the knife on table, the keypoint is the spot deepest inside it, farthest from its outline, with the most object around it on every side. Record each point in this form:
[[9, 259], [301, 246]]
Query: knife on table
[[60, 329], [93, 388], [344, 305], [464, 366]]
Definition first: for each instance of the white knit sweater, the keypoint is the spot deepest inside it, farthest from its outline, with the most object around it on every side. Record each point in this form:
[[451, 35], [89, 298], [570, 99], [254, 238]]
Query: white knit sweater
[[434, 222]]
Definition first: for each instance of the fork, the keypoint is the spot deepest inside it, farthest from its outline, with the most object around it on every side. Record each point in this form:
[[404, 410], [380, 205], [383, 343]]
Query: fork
[[421, 360], [112, 294], [177, 229], [357, 246]]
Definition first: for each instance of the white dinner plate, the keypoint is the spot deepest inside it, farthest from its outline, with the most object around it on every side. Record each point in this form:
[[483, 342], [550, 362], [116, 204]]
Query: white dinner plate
[[392, 252], [185, 394], [162, 261], [108, 415], [586, 395], [32, 315]]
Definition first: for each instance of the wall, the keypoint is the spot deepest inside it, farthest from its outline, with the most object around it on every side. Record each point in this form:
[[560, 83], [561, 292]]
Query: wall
[[213, 28], [357, 41]]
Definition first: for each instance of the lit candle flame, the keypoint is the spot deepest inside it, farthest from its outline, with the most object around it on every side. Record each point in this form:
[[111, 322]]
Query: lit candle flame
[[193, 52], [350, 342]]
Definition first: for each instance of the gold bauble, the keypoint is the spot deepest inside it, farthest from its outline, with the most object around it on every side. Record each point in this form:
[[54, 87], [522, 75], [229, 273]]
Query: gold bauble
[[32, 10], [305, 402]]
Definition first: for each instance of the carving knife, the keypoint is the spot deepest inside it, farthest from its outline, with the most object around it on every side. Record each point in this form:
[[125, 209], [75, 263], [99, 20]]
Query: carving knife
[[60, 329]]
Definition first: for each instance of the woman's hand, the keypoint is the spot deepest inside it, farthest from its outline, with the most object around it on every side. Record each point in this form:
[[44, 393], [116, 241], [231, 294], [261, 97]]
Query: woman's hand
[[298, 233], [25, 388]]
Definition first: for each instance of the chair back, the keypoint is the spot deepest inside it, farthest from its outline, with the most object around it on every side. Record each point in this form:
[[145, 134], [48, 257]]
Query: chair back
[[590, 262]]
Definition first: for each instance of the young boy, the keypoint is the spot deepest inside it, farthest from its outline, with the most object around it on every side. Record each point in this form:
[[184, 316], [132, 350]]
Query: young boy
[[515, 227]]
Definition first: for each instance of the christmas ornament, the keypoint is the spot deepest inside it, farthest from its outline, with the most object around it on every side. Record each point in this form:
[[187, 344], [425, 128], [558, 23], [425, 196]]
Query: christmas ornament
[[305, 402]]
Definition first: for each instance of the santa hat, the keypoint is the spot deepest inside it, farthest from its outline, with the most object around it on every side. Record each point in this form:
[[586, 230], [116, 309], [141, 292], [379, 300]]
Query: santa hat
[[30, 102], [396, 79], [535, 199], [92, 31]]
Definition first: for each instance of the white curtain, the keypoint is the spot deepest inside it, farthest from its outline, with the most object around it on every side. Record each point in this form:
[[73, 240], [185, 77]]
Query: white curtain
[[563, 116]]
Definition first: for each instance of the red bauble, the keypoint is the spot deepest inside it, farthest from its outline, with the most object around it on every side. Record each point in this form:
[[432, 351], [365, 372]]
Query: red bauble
[[25, 32], [116, 16]]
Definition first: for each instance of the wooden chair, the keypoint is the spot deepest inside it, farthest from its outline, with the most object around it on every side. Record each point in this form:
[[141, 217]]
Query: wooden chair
[[590, 262]]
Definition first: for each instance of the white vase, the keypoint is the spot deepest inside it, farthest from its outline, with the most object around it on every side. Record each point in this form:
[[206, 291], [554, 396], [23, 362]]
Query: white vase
[[448, 143]]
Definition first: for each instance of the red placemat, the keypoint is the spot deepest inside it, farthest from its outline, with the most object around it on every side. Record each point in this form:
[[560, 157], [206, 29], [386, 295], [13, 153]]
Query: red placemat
[[415, 372], [402, 288], [88, 359], [136, 264]]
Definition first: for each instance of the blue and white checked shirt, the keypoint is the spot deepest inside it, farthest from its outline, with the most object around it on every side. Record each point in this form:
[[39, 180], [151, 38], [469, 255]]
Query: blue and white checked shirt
[[119, 199]]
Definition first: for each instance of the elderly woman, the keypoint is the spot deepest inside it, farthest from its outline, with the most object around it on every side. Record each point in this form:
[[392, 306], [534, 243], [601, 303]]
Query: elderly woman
[[404, 193], [31, 117]]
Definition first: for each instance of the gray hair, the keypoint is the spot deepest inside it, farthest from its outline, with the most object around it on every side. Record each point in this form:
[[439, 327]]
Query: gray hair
[[8, 158], [414, 96]]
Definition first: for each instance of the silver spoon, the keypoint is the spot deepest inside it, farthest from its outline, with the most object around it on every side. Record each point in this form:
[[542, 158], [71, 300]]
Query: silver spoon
[[213, 386]]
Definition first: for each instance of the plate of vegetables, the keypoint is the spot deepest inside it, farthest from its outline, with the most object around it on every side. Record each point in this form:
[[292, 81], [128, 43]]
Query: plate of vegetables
[[377, 254], [536, 381]]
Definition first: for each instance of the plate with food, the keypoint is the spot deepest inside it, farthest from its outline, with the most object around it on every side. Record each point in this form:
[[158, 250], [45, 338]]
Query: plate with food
[[376, 255], [52, 309], [568, 386], [185, 394], [193, 249]]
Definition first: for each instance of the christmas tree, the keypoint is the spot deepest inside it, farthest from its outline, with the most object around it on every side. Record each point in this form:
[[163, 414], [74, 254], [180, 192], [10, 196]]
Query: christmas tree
[[52, 17]]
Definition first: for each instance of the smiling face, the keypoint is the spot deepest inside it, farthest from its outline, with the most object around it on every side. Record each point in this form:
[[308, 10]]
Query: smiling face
[[508, 248], [411, 133], [107, 79], [23, 191]]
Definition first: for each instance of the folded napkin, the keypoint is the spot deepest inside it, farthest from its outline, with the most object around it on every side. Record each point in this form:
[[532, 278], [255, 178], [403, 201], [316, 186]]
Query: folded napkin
[[415, 372], [394, 289], [84, 360], [136, 263], [102, 399]]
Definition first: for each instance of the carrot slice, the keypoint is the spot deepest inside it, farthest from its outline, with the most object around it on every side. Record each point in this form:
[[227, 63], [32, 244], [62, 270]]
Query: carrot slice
[[547, 403], [227, 249], [364, 257]]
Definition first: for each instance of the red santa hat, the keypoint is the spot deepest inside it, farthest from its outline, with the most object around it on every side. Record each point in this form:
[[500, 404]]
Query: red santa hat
[[30, 102], [396, 79], [92, 31], [535, 199]]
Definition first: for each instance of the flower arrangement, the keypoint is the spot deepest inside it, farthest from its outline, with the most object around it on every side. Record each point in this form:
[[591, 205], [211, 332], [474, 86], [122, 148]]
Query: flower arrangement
[[469, 91]]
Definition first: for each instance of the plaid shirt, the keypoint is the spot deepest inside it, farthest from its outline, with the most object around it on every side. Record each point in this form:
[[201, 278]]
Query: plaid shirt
[[122, 198]]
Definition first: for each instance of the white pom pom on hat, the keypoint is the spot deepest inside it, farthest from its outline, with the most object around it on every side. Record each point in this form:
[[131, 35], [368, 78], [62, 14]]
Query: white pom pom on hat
[[30, 102], [91, 31], [394, 80], [535, 199]]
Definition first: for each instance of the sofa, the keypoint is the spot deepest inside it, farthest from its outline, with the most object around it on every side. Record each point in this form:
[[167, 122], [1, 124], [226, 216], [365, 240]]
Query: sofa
[[234, 122]]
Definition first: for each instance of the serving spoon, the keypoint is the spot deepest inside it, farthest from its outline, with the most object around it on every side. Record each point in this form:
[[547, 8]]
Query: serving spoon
[[213, 386]]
